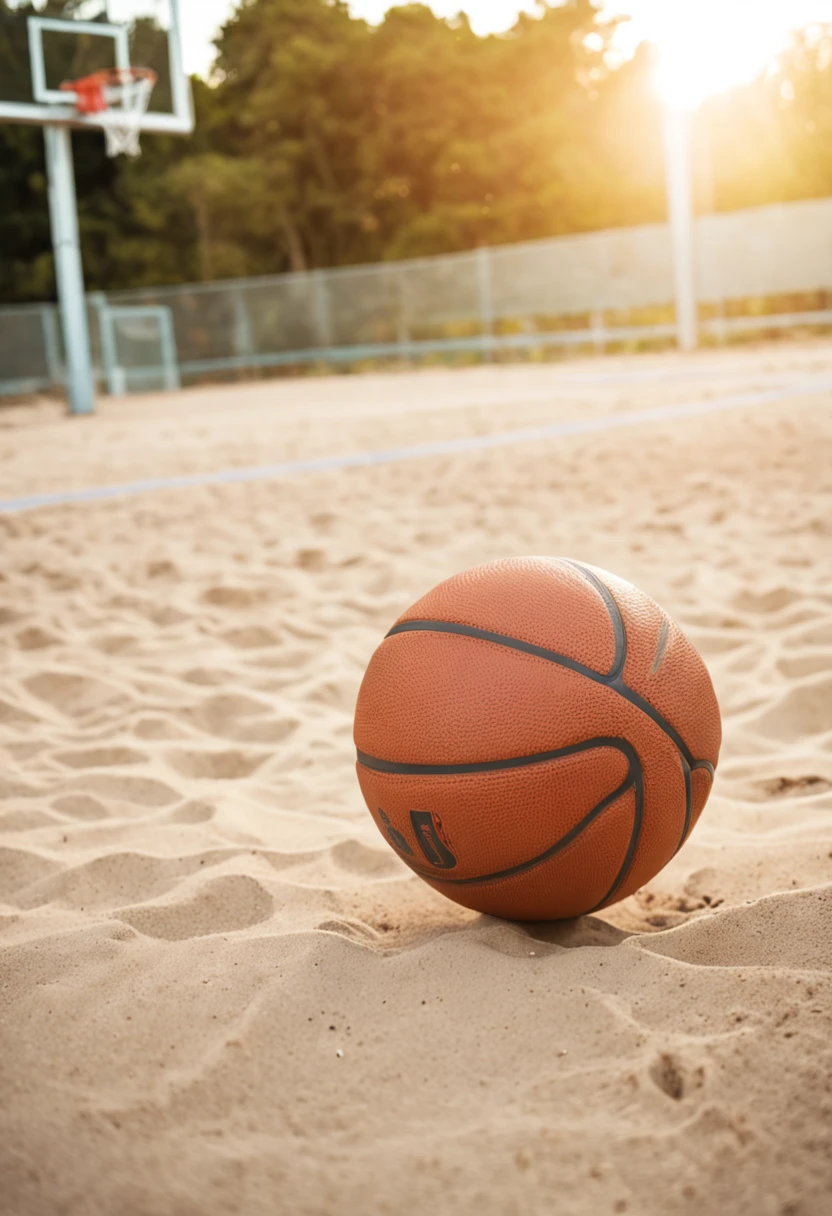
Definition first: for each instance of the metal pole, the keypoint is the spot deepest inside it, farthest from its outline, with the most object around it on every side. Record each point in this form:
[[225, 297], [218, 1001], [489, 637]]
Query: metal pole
[[63, 212], [486, 303], [113, 372], [180, 82], [170, 357], [599, 333], [51, 345], [243, 340], [402, 313], [680, 216], [323, 316]]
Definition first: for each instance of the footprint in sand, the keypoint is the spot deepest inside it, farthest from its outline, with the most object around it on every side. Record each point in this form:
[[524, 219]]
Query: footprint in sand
[[810, 663], [13, 715], [357, 858], [818, 634], [192, 811], [35, 638], [768, 601], [26, 821], [216, 766], [114, 880], [126, 791], [336, 692], [164, 615], [114, 643], [101, 757], [241, 718], [19, 868], [156, 728], [670, 1076], [10, 788], [208, 677], [80, 806], [353, 930], [9, 616], [74, 695], [219, 905], [793, 787], [163, 568], [806, 709], [216, 713], [715, 641], [310, 559], [233, 597], [770, 932], [251, 637]]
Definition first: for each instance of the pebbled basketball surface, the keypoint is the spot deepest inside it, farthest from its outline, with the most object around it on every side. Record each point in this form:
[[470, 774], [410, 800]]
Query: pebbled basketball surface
[[536, 738]]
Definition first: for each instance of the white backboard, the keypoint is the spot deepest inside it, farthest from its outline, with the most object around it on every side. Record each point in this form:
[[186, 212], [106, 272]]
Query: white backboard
[[44, 44]]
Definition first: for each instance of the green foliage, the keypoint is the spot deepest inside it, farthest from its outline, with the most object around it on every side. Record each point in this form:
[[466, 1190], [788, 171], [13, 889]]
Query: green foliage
[[323, 141]]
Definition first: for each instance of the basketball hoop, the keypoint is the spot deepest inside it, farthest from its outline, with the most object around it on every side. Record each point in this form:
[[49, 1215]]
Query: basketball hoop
[[123, 94]]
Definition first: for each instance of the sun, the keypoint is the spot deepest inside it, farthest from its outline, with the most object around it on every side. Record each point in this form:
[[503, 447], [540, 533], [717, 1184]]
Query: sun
[[710, 45]]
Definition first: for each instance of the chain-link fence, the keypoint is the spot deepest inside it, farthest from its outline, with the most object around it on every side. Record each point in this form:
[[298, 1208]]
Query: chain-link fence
[[596, 290]]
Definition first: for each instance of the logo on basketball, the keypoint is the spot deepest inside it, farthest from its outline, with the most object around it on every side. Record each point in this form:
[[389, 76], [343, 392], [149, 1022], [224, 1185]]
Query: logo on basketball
[[431, 838], [395, 836]]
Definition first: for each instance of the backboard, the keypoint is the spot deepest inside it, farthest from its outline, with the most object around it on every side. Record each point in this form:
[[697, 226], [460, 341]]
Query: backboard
[[44, 43]]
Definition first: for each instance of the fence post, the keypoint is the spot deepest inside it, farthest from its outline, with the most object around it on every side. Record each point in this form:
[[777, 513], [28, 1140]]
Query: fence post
[[486, 302], [402, 314], [114, 375], [170, 357], [51, 346], [599, 333], [243, 339], [323, 317]]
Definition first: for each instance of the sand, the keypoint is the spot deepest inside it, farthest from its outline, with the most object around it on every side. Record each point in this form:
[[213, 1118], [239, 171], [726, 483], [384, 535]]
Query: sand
[[221, 992]]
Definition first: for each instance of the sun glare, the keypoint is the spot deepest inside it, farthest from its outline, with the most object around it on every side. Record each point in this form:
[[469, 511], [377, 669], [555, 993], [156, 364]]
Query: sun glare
[[708, 46]]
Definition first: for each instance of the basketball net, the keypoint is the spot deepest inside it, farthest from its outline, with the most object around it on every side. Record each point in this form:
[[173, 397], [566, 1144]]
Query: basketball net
[[123, 94]]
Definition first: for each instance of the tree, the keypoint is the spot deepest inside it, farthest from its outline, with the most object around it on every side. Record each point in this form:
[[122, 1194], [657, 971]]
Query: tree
[[323, 141]]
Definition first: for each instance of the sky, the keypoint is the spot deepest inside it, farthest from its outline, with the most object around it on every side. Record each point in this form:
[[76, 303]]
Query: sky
[[693, 66]]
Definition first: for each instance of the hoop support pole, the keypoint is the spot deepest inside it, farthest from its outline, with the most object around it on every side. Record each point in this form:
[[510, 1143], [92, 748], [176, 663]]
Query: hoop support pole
[[69, 274], [676, 130]]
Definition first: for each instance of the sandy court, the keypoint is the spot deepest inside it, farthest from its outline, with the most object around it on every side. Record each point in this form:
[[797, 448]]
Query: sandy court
[[221, 991]]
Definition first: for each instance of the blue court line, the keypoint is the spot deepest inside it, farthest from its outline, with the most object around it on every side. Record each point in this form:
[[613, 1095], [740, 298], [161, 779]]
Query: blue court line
[[442, 447]]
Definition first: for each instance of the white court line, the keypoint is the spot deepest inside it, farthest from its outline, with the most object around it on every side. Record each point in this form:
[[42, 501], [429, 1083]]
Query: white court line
[[443, 447], [549, 395]]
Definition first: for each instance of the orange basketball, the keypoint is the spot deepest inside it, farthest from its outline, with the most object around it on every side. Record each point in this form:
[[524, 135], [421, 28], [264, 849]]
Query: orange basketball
[[536, 738]]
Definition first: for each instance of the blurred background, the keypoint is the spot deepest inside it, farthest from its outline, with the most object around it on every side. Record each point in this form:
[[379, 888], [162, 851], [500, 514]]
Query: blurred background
[[416, 183]]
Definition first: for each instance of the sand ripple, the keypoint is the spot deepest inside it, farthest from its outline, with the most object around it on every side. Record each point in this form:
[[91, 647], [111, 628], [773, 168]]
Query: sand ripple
[[221, 990]]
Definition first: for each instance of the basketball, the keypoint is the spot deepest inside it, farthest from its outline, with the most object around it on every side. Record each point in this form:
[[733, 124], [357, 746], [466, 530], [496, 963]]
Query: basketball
[[536, 738]]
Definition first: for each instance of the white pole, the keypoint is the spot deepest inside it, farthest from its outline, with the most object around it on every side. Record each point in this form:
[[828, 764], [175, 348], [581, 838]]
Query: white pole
[[63, 212], [680, 216], [485, 300]]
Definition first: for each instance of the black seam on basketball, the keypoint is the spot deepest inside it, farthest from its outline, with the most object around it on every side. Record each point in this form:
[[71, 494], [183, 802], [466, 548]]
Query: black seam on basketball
[[688, 769], [633, 780], [489, 766], [635, 834], [661, 646], [524, 866], [688, 804], [552, 656], [500, 639], [613, 612]]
